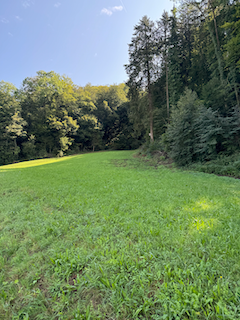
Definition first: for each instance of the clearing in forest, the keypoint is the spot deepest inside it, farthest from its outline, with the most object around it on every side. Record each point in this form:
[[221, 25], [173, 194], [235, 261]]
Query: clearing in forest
[[105, 236]]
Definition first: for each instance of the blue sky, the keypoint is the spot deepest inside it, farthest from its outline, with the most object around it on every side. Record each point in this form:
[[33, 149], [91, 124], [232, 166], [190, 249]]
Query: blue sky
[[86, 40]]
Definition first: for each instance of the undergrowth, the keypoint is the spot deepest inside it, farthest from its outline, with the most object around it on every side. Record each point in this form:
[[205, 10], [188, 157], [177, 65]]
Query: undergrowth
[[223, 165]]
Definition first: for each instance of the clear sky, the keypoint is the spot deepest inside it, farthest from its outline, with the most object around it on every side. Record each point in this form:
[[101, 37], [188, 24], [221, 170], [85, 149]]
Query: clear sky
[[86, 40]]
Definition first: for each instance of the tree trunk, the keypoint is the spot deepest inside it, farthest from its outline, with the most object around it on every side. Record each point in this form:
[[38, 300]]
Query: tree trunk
[[236, 93], [150, 115], [150, 104], [167, 95], [216, 45], [218, 55], [166, 63], [232, 73], [215, 23]]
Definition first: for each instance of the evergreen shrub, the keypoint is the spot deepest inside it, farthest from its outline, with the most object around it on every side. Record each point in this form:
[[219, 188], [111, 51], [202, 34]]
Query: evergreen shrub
[[198, 133]]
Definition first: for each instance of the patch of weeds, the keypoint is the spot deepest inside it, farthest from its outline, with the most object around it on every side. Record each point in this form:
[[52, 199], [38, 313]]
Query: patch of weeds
[[68, 263], [154, 154]]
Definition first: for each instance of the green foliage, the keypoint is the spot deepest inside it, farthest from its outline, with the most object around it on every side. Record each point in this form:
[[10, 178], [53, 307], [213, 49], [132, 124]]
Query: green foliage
[[142, 51], [47, 100], [195, 47], [29, 148], [15, 128], [216, 134], [209, 131], [223, 165], [107, 124], [142, 64], [197, 133], [213, 94], [149, 148], [103, 235], [232, 47], [11, 123], [51, 116], [125, 137], [181, 133], [137, 113]]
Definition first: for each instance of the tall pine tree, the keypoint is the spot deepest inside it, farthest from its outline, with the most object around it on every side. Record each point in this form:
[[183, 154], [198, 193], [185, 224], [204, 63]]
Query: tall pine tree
[[142, 62]]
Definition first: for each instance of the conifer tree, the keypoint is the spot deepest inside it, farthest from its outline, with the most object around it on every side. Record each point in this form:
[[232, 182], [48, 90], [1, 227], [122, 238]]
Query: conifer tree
[[164, 34], [142, 62]]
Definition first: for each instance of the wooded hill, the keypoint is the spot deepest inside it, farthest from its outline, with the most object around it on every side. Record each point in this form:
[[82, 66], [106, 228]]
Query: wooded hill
[[183, 91]]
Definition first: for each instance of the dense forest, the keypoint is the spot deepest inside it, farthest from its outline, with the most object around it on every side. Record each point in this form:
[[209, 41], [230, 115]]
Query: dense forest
[[182, 94], [50, 116]]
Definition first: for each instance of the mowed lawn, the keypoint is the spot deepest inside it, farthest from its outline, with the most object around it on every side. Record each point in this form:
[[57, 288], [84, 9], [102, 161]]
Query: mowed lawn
[[104, 236]]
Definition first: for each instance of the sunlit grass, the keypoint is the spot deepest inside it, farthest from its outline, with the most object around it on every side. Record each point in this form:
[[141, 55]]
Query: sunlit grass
[[201, 224], [105, 236], [201, 205], [34, 163]]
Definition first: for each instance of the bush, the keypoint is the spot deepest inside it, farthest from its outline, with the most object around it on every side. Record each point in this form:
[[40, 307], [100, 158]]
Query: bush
[[181, 134], [197, 133], [149, 148], [224, 165]]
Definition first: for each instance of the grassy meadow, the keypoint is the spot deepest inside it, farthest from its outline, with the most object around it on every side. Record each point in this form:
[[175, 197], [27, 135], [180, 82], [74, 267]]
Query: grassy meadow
[[106, 236]]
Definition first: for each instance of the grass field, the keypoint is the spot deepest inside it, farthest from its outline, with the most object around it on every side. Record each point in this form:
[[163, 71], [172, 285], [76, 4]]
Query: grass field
[[105, 236]]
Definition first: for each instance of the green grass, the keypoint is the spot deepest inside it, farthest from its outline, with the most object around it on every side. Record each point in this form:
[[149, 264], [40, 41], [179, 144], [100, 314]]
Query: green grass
[[105, 236]]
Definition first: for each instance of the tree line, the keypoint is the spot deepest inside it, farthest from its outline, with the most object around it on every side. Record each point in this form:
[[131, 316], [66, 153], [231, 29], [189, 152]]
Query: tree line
[[182, 94], [51, 116], [184, 79]]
